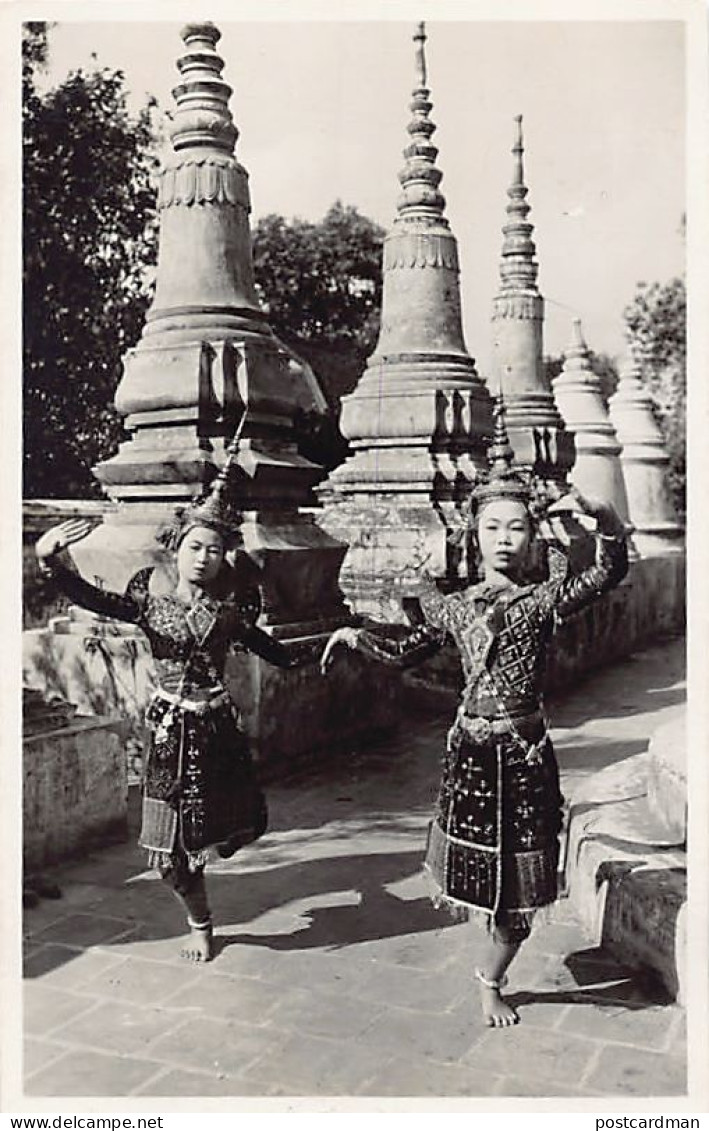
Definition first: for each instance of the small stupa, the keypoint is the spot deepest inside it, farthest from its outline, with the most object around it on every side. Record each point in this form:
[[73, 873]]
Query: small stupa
[[578, 392], [645, 463]]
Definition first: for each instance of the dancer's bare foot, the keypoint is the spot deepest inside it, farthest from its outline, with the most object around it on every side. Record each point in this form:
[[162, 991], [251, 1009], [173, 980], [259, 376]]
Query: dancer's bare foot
[[198, 946], [496, 1011]]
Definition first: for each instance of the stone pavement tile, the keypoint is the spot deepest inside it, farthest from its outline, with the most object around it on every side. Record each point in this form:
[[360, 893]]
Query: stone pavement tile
[[593, 962], [108, 868], [442, 1037], [118, 1027], [165, 951], [79, 895], [423, 952], [83, 930], [303, 1065], [646, 1028], [404, 1076], [37, 919], [180, 1082], [557, 938], [305, 969], [324, 1014], [65, 967], [677, 1036], [541, 1013], [37, 1054], [246, 1000], [549, 1056], [215, 1045], [636, 1072], [243, 960], [46, 1009], [587, 985], [90, 1074], [132, 897], [392, 985], [518, 1086], [136, 980]]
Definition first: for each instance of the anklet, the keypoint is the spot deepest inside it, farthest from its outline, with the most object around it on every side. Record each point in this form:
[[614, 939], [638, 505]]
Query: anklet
[[491, 983], [205, 926]]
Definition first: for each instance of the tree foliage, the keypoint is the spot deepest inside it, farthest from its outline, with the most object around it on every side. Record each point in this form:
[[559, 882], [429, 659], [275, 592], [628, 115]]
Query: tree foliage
[[656, 320], [321, 282], [89, 216]]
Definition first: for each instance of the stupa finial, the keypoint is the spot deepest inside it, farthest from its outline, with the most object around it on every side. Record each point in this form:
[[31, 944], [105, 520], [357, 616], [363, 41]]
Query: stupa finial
[[420, 177], [518, 269], [578, 346], [420, 40], [202, 116], [518, 153]]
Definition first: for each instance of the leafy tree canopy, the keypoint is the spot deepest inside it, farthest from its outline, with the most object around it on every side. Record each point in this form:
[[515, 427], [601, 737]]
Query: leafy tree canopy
[[321, 282], [89, 219], [657, 327]]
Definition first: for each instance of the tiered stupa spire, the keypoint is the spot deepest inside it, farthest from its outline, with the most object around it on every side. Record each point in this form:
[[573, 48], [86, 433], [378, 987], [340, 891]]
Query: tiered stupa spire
[[205, 260], [417, 420], [420, 176], [536, 428]]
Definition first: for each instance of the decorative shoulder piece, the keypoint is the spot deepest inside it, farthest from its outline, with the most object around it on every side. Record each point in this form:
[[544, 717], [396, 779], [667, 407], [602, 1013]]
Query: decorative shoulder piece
[[137, 588], [434, 605], [558, 565]]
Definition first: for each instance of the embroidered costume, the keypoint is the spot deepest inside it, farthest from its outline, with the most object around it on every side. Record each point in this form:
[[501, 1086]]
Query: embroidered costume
[[200, 791], [493, 841]]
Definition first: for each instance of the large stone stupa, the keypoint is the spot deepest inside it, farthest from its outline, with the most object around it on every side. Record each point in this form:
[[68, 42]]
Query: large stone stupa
[[417, 421], [206, 363]]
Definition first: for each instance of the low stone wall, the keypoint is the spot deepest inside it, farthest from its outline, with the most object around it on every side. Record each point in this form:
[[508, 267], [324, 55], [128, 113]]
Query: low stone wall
[[297, 715], [649, 604], [75, 791]]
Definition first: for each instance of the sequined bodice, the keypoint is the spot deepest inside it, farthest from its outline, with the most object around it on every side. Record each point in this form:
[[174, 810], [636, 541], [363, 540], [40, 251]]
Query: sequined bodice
[[500, 632], [189, 642], [181, 662]]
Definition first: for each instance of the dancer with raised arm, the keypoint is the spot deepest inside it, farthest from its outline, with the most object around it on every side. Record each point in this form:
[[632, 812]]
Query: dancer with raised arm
[[493, 844], [200, 793]]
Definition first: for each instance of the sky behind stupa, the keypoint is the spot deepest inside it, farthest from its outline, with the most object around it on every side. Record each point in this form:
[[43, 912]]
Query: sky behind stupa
[[322, 110]]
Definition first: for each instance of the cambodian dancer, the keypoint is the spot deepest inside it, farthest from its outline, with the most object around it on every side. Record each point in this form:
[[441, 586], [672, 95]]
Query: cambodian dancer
[[493, 845], [200, 794]]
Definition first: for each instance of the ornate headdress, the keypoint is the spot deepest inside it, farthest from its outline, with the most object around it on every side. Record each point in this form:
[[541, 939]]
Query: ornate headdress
[[213, 508], [502, 480]]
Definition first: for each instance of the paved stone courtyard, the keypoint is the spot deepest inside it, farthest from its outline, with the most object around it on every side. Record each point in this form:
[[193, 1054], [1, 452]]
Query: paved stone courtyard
[[335, 975]]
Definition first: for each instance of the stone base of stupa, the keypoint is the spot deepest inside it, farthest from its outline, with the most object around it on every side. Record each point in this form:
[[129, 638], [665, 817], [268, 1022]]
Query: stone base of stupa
[[626, 863]]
